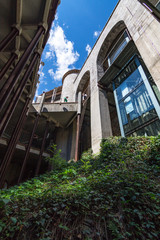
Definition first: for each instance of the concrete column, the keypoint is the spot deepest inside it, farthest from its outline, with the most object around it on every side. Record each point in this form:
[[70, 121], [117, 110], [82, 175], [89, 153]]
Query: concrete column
[[78, 125], [105, 114], [42, 148], [73, 146], [12, 143], [79, 102], [41, 103], [77, 138], [100, 118], [28, 149]]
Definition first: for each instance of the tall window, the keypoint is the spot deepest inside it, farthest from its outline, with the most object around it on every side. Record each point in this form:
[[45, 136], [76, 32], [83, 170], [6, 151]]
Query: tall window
[[135, 106], [116, 50]]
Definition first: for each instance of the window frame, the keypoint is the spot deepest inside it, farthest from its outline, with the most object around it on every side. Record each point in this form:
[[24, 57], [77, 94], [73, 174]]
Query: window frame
[[107, 58], [150, 92]]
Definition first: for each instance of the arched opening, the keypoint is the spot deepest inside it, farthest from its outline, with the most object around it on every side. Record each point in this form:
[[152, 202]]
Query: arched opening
[[108, 46], [133, 96], [84, 85]]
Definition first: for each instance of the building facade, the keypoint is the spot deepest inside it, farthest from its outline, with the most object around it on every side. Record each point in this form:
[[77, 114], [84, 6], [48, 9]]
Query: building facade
[[115, 93], [120, 80]]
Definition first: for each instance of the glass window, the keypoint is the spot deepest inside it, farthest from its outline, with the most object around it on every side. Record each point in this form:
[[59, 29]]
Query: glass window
[[152, 5], [158, 6], [151, 129], [155, 3], [129, 84], [135, 105], [136, 109], [119, 46]]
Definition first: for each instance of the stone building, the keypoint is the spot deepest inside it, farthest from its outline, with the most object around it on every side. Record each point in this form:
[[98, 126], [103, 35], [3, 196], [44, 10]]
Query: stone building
[[115, 93]]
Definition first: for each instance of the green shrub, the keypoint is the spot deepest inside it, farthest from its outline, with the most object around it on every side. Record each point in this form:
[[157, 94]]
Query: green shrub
[[113, 196], [56, 161]]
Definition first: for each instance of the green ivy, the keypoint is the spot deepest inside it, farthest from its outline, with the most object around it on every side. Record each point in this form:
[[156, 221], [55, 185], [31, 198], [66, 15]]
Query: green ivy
[[112, 196]]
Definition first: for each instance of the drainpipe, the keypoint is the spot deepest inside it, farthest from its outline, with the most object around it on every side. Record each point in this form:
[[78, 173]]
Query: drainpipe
[[13, 78], [28, 149], [78, 125], [41, 103], [12, 143]]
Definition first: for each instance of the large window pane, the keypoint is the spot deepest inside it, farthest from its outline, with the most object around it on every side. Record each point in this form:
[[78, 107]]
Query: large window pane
[[136, 109], [135, 105], [152, 129], [120, 45], [129, 84]]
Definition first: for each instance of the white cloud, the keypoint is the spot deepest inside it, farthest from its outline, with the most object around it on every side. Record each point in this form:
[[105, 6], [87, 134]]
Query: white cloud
[[63, 49], [88, 48], [42, 80], [50, 71], [96, 33], [48, 55], [56, 17], [41, 75]]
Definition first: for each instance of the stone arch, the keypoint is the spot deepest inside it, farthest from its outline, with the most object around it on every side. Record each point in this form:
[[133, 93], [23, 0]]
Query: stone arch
[[84, 84], [108, 44]]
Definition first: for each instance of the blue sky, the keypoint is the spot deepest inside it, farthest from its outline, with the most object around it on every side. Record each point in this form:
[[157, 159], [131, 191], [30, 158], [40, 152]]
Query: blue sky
[[74, 32]]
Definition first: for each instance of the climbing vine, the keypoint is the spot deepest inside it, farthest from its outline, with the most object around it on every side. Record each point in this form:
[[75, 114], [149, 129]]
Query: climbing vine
[[112, 196]]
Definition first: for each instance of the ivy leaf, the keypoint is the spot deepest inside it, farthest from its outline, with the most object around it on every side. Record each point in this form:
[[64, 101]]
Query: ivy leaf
[[14, 220], [4, 202], [63, 227]]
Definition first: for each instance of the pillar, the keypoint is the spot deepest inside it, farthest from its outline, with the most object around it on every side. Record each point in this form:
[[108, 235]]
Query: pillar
[[105, 114], [100, 117], [77, 138], [12, 143], [42, 148], [15, 98], [28, 149], [78, 125]]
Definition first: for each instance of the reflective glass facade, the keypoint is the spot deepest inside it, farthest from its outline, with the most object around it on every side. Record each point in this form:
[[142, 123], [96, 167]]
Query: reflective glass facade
[[135, 106]]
